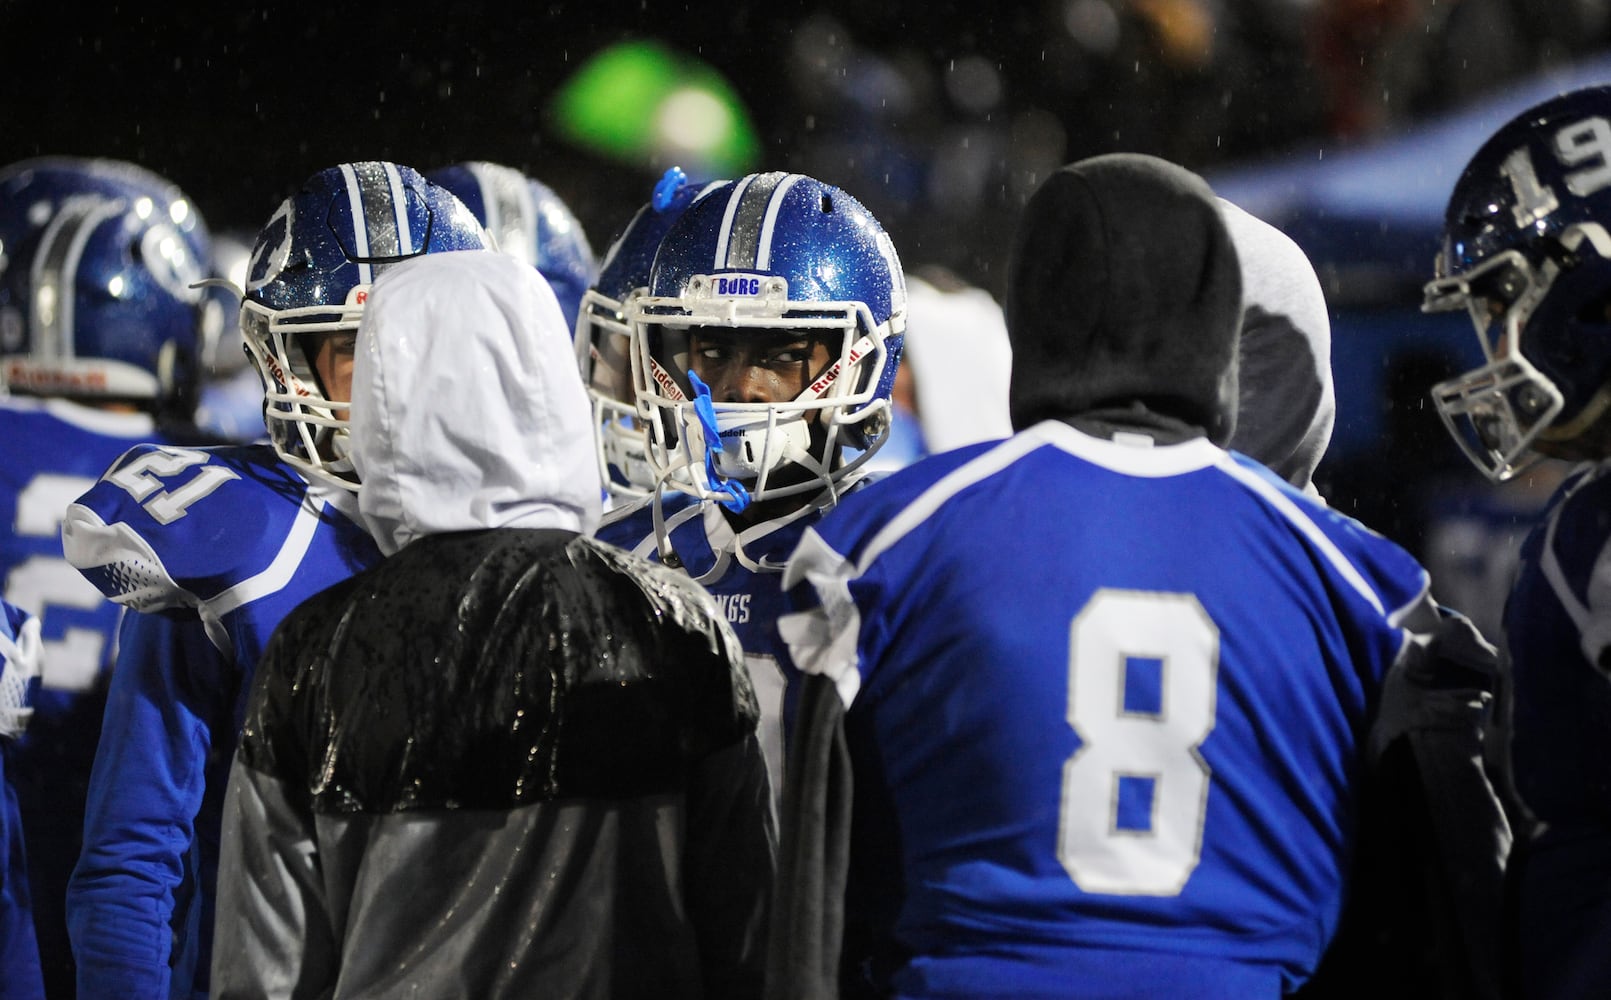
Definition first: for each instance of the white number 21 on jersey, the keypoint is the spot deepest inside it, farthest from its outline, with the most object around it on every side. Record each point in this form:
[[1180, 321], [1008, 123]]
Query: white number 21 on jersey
[[1142, 668]]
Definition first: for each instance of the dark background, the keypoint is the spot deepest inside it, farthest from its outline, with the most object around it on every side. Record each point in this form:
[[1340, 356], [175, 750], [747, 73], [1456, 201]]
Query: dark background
[[940, 116]]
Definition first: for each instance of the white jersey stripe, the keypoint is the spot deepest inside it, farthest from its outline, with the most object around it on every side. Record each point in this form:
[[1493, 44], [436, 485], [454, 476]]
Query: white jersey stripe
[[1282, 503], [1126, 460], [280, 571]]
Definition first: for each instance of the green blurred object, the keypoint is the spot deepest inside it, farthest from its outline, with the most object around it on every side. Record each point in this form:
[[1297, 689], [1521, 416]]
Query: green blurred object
[[645, 104]]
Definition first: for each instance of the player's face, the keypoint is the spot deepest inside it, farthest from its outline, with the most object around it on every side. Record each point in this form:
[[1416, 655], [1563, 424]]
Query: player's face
[[750, 366], [333, 362]]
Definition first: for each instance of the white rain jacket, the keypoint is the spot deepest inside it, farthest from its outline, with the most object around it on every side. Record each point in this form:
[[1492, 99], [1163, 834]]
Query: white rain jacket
[[503, 763]]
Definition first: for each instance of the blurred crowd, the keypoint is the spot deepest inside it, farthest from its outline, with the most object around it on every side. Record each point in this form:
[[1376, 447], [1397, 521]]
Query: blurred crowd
[[948, 119], [944, 116]]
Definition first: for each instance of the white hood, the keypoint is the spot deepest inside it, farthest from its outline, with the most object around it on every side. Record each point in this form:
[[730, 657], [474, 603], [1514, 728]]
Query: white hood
[[467, 408]]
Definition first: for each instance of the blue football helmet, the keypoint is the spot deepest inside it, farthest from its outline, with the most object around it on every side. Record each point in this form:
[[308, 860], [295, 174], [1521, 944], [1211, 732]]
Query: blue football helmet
[[310, 272], [603, 337], [1527, 254], [98, 259], [764, 257], [528, 221]]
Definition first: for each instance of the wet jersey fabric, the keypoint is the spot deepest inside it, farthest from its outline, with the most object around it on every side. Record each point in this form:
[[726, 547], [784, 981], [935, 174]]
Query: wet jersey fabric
[[50, 452], [1558, 630], [750, 597], [212, 547], [1106, 749], [504, 763]]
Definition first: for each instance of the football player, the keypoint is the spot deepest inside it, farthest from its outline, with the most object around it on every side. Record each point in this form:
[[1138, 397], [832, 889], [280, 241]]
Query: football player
[[603, 339], [524, 218], [100, 337], [764, 352], [1527, 252], [212, 547], [1114, 751], [19, 680]]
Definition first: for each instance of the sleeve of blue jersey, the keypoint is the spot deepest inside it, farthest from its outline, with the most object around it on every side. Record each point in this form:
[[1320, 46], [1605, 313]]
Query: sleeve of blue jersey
[[169, 695], [833, 615], [1392, 574], [194, 547]]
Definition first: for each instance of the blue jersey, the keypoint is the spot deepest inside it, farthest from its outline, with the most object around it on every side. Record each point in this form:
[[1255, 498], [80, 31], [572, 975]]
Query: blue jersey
[[1557, 634], [748, 590], [20, 977], [50, 452], [1108, 747], [214, 547]]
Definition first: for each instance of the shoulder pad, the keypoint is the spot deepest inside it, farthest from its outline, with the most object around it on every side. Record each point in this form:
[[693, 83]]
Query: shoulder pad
[[171, 527]]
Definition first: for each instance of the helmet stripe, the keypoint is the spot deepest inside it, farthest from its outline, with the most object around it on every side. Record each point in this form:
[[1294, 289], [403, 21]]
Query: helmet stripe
[[375, 186], [507, 200], [748, 218], [763, 257], [733, 198], [401, 233], [61, 249], [360, 228]]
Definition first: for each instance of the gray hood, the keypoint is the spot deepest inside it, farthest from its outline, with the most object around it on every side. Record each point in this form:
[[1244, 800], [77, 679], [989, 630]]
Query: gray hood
[[467, 409], [1287, 405]]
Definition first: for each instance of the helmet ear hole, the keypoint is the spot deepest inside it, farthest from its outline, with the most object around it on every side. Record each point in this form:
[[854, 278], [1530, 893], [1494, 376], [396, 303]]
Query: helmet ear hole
[[827, 204]]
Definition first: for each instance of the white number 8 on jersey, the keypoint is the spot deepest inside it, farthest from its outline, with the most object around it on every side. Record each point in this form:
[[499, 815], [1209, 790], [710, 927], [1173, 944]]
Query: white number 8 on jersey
[[1141, 698]]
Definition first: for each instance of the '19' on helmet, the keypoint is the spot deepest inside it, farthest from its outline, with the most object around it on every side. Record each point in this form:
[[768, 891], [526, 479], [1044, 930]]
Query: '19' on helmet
[[309, 274], [1527, 254]]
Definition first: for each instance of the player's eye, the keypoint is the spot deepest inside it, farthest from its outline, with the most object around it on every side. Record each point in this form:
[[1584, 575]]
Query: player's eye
[[790, 354]]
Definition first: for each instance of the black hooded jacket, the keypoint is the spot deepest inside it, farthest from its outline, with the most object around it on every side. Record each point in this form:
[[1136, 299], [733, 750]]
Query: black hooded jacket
[[1124, 301]]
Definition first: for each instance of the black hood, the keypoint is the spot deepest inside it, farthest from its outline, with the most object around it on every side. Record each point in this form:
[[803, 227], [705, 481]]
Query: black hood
[[1124, 288]]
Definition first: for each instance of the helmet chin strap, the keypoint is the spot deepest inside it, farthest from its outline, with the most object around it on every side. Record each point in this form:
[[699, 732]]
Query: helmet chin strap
[[737, 496]]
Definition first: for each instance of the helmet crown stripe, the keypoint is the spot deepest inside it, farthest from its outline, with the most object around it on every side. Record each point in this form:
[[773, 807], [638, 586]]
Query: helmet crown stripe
[[726, 230], [360, 227], [399, 236], [60, 253], [763, 255], [749, 217]]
